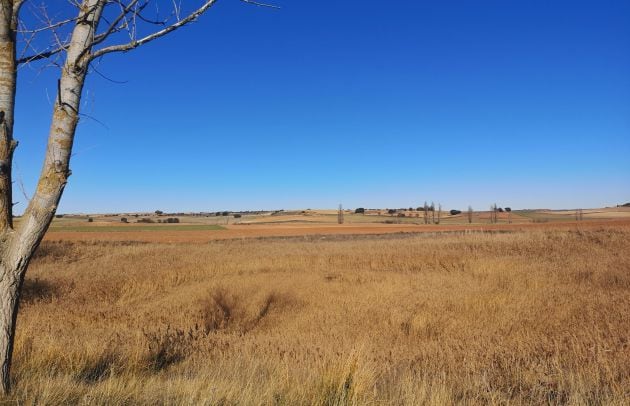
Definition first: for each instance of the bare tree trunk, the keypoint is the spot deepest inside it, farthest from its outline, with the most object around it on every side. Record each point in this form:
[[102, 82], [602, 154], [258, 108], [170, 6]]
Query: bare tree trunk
[[8, 76], [11, 279], [13, 265], [8, 315], [19, 245], [56, 168]]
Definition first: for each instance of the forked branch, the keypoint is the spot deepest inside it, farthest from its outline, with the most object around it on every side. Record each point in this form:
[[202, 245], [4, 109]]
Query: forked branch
[[136, 43]]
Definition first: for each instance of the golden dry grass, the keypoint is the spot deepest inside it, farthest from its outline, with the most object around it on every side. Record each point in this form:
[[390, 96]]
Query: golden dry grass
[[523, 318]]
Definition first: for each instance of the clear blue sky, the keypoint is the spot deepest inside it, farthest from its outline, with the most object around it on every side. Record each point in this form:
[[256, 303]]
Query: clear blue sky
[[365, 103]]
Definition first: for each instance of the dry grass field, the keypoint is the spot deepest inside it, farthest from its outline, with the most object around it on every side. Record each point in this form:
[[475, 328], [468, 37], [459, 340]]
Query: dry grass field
[[537, 316]]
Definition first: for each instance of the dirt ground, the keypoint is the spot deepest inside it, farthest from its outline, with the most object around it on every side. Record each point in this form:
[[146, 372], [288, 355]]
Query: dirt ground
[[239, 231]]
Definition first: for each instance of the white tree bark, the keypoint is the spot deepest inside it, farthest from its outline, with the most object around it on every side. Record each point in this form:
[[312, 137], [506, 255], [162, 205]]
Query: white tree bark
[[19, 245], [8, 75], [56, 167], [10, 281], [12, 272]]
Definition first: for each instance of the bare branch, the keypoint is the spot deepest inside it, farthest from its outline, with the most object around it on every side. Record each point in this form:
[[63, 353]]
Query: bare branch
[[138, 13], [20, 183], [95, 70], [50, 26], [42, 55], [112, 27], [136, 43], [177, 7], [256, 3]]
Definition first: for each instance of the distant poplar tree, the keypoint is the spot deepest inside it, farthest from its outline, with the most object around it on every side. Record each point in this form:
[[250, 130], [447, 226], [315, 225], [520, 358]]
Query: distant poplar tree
[[493, 213], [578, 215], [426, 213], [340, 215], [439, 213], [470, 214]]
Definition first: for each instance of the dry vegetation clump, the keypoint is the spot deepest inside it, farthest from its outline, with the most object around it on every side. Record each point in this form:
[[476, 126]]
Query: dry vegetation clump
[[525, 318]]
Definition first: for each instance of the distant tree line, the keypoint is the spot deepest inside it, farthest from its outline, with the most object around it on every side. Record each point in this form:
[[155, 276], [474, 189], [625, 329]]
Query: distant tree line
[[170, 220]]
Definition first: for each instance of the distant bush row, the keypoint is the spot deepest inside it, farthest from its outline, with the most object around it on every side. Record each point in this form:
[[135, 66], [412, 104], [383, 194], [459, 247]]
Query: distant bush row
[[453, 212], [227, 213], [169, 220]]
